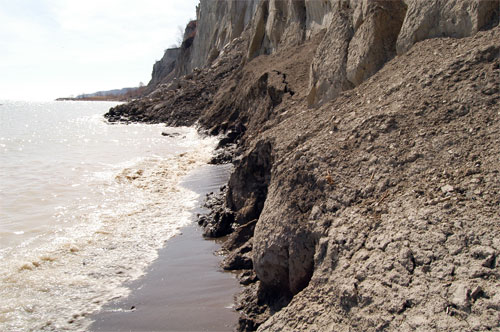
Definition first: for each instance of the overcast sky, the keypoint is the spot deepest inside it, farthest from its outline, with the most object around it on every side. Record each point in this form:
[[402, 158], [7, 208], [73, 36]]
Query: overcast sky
[[58, 48]]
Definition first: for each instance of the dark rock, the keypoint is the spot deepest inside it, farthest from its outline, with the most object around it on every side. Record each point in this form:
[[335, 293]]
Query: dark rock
[[169, 134], [240, 236], [248, 277], [248, 184], [220, 225], [253, 311], [224, 155], [240, 259], [219, 221], [203, 220], [232, 135]]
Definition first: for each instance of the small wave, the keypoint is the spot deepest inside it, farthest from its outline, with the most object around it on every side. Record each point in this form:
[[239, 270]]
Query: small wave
[[57, 283]]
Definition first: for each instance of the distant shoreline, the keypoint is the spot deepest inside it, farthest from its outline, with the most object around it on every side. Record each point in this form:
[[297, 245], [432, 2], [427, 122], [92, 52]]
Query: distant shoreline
[[93, 99], [125, 94]]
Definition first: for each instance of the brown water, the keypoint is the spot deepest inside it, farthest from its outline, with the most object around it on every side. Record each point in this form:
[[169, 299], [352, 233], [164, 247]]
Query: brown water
[[84, 208]]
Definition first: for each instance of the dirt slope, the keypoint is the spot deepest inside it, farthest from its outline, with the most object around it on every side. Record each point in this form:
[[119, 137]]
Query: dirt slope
[[388, 199], [379, 210]]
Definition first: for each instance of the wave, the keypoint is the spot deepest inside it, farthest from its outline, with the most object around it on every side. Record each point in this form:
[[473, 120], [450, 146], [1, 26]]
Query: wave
[[53, 282]]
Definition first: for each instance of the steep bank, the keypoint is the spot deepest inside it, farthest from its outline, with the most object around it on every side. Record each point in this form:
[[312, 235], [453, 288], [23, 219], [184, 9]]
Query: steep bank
[[365, 193], [384, 205]]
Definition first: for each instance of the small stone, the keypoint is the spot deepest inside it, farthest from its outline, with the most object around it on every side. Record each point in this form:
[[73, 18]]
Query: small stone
[[460, 296], [447, 188], [477, 293]]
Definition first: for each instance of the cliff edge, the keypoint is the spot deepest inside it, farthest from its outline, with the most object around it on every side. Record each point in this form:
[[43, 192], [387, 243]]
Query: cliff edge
[[365, 137]]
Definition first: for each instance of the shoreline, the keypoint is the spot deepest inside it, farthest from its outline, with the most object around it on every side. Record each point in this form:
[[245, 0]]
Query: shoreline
[[184, 289], [95, 99], [363, 196]]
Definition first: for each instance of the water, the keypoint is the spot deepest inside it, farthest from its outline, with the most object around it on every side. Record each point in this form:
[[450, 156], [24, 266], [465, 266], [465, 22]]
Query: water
[[84, 207]]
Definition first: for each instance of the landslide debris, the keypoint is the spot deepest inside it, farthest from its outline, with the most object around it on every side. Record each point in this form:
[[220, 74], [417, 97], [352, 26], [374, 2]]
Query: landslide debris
[[387, 198], [181, 101], [381, 207]]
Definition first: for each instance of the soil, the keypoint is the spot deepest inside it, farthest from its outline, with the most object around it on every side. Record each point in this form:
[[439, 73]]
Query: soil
[[379, 210]]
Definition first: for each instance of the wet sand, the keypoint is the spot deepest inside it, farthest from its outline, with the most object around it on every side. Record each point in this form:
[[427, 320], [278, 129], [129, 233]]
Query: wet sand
[[184, 289]]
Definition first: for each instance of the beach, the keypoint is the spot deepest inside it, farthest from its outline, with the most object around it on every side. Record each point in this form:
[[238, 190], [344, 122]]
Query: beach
[[85, 209], [184, 289]]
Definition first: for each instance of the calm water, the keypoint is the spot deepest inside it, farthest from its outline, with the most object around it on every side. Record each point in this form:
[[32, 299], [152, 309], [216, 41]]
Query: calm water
[[84, 207]]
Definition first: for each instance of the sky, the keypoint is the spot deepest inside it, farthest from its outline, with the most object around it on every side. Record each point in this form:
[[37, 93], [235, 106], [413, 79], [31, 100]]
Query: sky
[[63, 48]]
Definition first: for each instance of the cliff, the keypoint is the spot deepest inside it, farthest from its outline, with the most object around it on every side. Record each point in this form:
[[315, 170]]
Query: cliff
[[365, 138], [164, 67]]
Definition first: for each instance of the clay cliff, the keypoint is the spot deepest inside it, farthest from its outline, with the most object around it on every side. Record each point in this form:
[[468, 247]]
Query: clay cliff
[[164, 67], [365, 139]]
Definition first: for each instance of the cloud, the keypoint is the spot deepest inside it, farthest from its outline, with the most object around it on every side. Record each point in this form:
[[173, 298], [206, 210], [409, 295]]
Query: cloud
[[84, 46], [16, 33], [126, 24]]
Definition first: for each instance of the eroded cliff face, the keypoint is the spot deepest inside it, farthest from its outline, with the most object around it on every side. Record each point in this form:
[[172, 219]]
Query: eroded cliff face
[[445, 18], [164, 67], [220, 22], [365, 190], [372, 204], [360, 36]]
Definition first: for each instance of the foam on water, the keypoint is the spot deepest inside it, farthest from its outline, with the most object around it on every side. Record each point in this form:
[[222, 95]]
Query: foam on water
[[85, 248]]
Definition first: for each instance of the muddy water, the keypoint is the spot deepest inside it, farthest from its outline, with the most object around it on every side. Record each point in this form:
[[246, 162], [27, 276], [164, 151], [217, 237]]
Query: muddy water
[[84, 208]]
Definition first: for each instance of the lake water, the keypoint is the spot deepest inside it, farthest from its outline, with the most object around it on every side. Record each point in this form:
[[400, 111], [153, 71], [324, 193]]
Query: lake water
[[84, 207]]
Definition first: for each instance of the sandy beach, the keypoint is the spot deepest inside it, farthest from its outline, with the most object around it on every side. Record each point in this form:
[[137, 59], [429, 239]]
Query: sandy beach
[[184, 289]]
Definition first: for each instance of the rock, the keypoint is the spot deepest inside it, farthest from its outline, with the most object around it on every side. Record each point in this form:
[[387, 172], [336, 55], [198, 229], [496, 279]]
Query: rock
[[460, 296], [240, 259], [240, 236], [254, 311], [248, 183], [477, 293], [220, 225], [222, 156], [447, 188], [486, 254], [374, 40], [248, 277], [163, 133], [203, 220], [494, 302], [443, 18], [232, 135], [219, 221]]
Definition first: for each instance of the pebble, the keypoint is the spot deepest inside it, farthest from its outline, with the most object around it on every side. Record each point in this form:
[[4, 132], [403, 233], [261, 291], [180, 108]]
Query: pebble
[[460, 296], [477, 293], [447, 188]]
